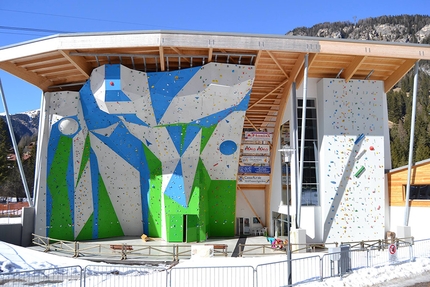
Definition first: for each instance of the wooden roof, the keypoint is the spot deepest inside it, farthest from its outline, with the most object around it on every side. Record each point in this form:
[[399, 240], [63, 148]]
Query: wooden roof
[[65, 62]]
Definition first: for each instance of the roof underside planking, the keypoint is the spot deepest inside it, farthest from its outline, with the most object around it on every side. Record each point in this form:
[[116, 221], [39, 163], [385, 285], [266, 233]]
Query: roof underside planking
[[64, 62]]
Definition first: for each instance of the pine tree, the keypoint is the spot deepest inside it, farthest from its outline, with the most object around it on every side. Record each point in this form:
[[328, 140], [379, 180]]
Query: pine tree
[[4, 148]]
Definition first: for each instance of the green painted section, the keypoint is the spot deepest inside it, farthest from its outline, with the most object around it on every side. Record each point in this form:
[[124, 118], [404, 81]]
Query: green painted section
[[175, 227], [222, 208], [212, 202], [192, 228], [61, 218], [87, 231], [205, 180], [206, 135], [85, 157], [154, 196], [108, 223]]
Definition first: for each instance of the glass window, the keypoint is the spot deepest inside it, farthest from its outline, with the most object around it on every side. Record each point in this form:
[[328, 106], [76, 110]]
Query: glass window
[[310, 194], [421, 192]]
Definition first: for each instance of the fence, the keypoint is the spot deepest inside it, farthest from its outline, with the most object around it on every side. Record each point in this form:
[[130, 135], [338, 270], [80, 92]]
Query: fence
[[122, 251], [65, 276], [12, 209], [303, 270]]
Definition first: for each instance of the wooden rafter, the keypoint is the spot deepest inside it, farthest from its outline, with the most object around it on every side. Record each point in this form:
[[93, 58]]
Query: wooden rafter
[[40, 82], [162, 63], [349, 72], [250, 205], [78, 62], [180, 54], [277, 64], [210, 54], [271, 92], [398, 74], [275, 140], [251, 123]]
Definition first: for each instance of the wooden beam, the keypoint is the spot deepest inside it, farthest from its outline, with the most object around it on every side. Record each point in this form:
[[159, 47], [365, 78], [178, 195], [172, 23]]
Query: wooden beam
[[271, 92], [257, 60], [277, 63], [398, 74], [250, 205], [297, 73], [349, 72], [369, 48], [275, 140], [78, 62], [162, 64], [251, 123], [180, 54], [210, 54], [30, 77]]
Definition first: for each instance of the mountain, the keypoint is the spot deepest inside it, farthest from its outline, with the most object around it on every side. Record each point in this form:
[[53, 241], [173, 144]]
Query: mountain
[[24, 124], [402, 28]]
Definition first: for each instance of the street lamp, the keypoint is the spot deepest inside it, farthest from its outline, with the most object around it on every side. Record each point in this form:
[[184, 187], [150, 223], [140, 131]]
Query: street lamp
[[286, 153]]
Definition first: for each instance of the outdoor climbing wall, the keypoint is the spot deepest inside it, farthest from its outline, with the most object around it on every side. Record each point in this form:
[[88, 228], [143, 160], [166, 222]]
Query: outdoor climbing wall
[[134, 152], [352, 159]]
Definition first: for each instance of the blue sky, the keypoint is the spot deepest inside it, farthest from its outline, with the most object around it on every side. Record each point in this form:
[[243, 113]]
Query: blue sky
[[23, 20]]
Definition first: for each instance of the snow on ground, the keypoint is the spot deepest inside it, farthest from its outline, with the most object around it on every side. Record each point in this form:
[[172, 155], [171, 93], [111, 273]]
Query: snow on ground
[[15, 258], [406, 274]]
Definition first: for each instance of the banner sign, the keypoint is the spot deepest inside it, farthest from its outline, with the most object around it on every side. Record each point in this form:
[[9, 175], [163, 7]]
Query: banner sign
[[255, 159], [255, 179], [258, 136], [254, 169], [256, 149]]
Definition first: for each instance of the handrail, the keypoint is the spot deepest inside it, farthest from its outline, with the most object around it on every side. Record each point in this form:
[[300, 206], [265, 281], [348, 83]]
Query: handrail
[[177, 251], [79, 249]]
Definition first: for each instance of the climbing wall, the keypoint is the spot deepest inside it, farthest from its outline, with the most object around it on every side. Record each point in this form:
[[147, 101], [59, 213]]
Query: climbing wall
[[136, 152], [352, 159]]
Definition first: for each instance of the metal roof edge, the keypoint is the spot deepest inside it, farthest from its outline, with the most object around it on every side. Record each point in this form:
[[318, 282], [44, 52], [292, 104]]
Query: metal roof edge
[[406, 166], [203, 33]]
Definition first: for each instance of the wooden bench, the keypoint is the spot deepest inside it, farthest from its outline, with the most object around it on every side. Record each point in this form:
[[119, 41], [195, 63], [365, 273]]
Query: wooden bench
[[121, 247], [220, 248]]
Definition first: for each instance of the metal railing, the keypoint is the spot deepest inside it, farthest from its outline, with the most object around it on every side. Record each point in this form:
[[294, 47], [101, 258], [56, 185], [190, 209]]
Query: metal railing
[[69, 276], [211, 276], [305, 269], [119, 275], [80, 249]]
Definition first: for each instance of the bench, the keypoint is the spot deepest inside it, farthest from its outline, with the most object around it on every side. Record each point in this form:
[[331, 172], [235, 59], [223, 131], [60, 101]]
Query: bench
[[121, 247], [220, 248]]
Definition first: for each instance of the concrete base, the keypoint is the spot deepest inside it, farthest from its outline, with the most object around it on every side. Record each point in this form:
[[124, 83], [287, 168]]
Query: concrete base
[[27, 220], [404, 232], [298, 240]]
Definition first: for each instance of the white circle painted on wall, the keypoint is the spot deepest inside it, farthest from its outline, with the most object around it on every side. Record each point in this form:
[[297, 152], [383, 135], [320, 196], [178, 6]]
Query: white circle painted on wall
[[68, 126]]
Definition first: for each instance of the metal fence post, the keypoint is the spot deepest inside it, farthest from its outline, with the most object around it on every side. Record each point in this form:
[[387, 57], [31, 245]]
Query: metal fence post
[[367, 258], [411, 253], [76, 250], [168, 277]]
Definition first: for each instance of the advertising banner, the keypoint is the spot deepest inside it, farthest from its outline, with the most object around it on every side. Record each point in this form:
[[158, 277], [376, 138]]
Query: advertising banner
[[253, 179], [255, 159], [254, 169], [256, 149], [258, 136]]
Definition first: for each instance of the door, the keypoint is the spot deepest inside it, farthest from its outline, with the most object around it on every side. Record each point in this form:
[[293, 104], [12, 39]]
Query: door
[[191, 228]]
